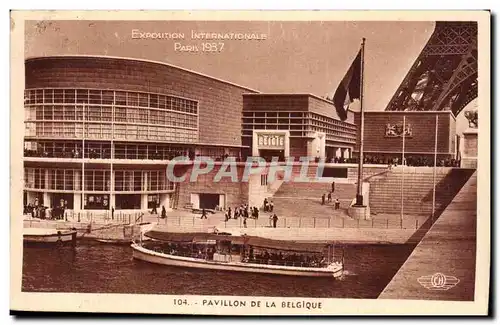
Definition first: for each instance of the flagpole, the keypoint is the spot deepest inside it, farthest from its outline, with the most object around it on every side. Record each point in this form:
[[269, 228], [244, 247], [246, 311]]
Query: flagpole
[[359, 194], [434, 171], [403, 171], [83, 158]]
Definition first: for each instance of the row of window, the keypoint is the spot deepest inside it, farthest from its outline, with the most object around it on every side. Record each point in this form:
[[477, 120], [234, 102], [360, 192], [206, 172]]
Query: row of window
[[121, 114], [104, 131], [109, 97], [293, 133], [275, 126], [96, 180], [102, 150], [292, 117], [274, 114], [335, 136]]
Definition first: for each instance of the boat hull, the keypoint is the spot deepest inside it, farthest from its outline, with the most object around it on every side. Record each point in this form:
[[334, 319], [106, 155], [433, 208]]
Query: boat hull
[[114, 241], [67, 237], [147, 255]]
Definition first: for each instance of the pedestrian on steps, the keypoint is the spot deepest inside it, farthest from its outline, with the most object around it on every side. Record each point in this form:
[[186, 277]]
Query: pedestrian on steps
[[323, 199], [275, 220]]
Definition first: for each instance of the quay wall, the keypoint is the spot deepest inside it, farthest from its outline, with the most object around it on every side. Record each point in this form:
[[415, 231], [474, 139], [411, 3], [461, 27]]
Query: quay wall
[[89, 230]]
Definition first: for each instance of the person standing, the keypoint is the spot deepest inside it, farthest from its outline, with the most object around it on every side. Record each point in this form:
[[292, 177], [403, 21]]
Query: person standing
[[329, 197], [337, 204], [154, 211], [112, 213], [163, 212], [275, 220], [323, 199], [333, 187]]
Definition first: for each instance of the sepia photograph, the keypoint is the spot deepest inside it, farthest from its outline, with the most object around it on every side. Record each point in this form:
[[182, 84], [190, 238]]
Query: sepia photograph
[[250, 163]]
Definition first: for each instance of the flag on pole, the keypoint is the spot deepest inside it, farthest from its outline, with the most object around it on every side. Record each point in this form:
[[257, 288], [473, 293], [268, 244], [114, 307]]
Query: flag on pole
[[349, 88]]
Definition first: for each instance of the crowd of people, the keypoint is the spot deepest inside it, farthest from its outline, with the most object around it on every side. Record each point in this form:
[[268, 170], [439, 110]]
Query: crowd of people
[[245, 211], [262, 256], [120, 154], [44, 212], [280, 258], [414, 161], [58, 154]]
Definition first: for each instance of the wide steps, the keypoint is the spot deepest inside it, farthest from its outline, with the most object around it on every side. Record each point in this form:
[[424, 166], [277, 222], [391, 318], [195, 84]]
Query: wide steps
[[315, 190], [385, 194]]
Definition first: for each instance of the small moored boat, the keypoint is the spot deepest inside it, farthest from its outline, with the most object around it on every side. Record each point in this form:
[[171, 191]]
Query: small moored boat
[[114, 241], [240, 254], [48, 236]]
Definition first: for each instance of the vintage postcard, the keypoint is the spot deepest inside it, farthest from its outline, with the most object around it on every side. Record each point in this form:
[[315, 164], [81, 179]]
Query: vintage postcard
[[250, 163]]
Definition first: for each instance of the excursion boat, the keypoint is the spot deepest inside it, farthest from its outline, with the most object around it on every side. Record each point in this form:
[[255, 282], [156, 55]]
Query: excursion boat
[[239, 254], [49, 236]]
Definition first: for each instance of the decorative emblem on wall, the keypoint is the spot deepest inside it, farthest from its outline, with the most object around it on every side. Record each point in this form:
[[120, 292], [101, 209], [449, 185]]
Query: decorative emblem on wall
[[396, 130]]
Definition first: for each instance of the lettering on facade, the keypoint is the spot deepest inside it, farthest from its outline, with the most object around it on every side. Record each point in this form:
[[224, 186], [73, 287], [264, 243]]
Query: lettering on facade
[[396, 130], [271, 140]]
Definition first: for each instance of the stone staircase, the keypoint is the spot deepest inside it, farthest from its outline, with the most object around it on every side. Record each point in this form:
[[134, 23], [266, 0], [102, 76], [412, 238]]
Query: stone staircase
[[385, 193]]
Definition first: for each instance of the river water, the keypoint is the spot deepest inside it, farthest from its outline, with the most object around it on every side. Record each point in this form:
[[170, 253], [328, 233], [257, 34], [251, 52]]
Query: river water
[[111, 269]]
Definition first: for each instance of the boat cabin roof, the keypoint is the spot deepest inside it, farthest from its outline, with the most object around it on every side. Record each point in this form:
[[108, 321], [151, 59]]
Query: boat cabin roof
[[255, 241]]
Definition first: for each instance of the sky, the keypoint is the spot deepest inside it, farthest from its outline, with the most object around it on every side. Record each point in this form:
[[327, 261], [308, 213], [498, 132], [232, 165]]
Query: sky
[[296, 57]]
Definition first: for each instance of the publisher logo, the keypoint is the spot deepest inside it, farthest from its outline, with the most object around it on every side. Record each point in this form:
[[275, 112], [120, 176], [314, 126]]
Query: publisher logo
[[438, 281]]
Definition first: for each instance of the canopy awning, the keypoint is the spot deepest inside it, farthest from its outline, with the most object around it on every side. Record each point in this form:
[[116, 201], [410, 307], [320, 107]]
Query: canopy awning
[[260, 242], [286, 245]]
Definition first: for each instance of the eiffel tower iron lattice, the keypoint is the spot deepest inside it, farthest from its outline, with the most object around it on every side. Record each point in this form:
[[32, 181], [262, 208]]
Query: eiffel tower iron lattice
[[444, 76]]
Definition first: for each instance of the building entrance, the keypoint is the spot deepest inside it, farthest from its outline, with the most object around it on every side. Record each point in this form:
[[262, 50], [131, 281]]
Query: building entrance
[[209, 201], [268, 154], [62, 200]]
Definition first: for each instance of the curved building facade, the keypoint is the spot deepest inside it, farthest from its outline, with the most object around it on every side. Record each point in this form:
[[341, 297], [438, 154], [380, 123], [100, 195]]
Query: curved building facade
[[99, 131]]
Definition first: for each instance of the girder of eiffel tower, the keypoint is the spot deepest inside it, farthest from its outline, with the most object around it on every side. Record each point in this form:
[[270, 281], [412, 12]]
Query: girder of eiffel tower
[[444, 76]]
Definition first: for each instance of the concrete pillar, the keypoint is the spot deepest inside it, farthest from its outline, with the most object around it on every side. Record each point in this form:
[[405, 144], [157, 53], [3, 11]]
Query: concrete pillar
[[165, 200], [144, 181], [47, 199], [321, 145], [195, 200], [47, 178], [338, 152], [222, 201], [112, 201], [77, 201], [470, 151], [144, 201]]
